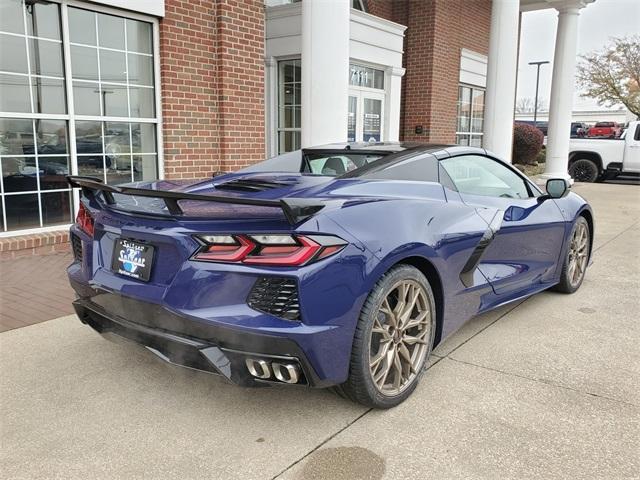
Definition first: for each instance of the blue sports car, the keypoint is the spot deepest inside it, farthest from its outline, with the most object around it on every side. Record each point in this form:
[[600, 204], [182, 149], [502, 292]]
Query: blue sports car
[[341, 266]]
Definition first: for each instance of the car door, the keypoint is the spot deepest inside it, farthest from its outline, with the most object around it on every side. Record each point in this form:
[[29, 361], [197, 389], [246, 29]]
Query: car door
[[523, 252], [632, 150]]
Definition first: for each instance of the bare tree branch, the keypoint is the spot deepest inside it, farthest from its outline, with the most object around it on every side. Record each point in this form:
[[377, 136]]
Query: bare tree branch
[[525, 105]]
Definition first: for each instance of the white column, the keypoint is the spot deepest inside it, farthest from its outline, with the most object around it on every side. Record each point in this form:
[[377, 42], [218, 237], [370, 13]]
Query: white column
[[325, 71], [392, 104], [501, 77], [562, 90]]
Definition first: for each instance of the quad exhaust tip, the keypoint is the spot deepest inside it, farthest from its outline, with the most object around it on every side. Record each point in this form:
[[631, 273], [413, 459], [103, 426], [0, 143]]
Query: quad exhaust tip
[[258, 368], [286, 372], [283, 372]]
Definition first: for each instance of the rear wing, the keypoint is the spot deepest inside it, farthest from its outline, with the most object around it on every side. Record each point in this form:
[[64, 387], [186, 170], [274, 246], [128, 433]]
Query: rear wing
[[295, 210]]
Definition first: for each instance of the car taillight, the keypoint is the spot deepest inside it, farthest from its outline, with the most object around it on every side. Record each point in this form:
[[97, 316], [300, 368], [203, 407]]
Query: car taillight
[[269, 249], [84, 220]]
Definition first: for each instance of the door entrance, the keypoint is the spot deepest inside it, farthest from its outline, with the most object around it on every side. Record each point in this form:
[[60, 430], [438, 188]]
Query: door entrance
[[365, 121]]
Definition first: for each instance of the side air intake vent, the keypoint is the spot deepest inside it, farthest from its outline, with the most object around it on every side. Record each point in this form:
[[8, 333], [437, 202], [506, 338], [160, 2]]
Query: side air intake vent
[[251, 185], [276, 296], [76, 246]]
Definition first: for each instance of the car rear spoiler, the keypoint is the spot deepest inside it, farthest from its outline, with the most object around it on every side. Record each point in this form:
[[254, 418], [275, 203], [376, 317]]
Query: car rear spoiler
[[295, 210]]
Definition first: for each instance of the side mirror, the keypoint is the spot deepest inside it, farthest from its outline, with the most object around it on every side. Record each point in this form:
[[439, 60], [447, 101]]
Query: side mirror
[[556, 188]]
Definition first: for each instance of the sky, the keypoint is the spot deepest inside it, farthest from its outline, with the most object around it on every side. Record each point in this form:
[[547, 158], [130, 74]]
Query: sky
[[598, 22]]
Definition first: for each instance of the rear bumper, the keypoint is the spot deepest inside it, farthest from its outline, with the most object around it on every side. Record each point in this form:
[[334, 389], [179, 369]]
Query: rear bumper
[[202, 347]]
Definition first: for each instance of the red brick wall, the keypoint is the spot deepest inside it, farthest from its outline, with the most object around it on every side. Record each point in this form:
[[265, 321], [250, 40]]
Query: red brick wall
[[437, 31], [382, 8], [212, 75]]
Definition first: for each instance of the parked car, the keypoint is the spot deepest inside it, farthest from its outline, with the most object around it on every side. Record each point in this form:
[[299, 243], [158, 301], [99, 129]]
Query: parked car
[[592, 160], [310, 275], [579, 129], [604, 130]]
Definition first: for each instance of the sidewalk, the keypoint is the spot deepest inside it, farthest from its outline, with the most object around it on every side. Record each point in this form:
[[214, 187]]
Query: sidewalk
[[34, 289]]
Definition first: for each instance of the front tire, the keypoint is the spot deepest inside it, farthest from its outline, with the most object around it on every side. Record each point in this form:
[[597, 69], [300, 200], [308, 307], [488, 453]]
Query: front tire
[[584, 170], [576, 259], [393, 339]]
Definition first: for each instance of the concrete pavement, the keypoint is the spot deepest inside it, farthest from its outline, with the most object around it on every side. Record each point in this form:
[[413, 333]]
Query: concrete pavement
[[544, 389]]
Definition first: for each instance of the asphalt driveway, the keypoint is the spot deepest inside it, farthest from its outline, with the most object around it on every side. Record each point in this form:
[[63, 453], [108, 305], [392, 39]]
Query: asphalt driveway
[[549, 388]]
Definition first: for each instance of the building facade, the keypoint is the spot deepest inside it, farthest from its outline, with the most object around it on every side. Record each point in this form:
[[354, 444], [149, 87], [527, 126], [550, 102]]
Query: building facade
[[128, 91]]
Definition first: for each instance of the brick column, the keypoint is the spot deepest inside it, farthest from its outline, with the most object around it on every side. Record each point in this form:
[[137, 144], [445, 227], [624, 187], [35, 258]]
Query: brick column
[[240, 80], [437, 30], [212, 76]]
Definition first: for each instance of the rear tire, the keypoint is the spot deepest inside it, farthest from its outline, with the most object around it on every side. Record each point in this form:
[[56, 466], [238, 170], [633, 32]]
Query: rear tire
[[392, 341], [576, 259], [584, 170]]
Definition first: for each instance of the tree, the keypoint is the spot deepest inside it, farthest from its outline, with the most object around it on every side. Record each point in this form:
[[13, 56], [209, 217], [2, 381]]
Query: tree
[[612, 75], [525, 105]]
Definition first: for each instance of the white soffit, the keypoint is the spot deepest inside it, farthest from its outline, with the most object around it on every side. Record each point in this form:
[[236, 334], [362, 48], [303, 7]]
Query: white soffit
[[473, 68], [147, 7]]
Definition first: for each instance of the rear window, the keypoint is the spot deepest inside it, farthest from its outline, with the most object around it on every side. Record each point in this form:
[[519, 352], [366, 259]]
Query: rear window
[[604, 124], [335, 164], [422, 167]]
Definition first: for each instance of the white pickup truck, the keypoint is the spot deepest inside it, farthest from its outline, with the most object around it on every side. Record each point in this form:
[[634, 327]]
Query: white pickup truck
[[593, 160]]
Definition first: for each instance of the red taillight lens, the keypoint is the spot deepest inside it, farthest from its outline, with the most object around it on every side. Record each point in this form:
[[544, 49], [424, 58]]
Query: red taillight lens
[[273, 250], [225, 248], [84, 220]]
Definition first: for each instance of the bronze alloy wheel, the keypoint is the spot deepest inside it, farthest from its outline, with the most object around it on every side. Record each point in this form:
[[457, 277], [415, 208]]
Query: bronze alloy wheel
[[578, 254], [400, 337]]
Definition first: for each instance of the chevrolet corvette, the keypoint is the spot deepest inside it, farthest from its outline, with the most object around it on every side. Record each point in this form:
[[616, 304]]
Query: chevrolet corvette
[[341, 266]]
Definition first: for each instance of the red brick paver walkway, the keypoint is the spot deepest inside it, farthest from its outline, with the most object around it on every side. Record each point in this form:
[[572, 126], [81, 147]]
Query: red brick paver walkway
[[34, 289]]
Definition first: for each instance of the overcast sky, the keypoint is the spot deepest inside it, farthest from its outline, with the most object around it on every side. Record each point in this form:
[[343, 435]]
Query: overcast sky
[[598, 22]]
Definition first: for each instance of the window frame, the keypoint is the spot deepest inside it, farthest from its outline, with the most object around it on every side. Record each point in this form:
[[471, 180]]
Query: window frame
[[470, 133], [279, 104], [70, 117], [532, 189]]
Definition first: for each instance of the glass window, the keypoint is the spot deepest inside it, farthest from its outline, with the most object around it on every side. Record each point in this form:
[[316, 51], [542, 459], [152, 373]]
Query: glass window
[[143, 138], [142, 102], [21, 211], [360, 76], [352, 118], [13, 54], [56, 208], [359, 5], [333, 165], [144, 167], [14, 93], [43, 20], [139, 36], [114, 98], [82, 26], [46, 58], [470, 120], [84, 63], [478, 175], [113, 66], [111, 31], [289, 105], [113, 94], [11, 19], [51, 136], [16, 137], [121, 67], [86, 98], [372, 117], [48, 95], [140, 69]]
